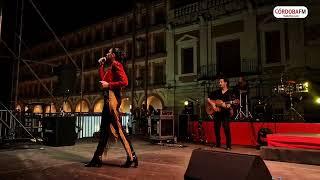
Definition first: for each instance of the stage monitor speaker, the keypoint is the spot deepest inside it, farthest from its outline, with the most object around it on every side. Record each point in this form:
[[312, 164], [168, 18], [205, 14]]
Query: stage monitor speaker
[[59, 131], [213, 165]]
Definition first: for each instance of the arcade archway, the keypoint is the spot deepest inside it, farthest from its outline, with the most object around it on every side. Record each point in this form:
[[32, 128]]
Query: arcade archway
[[82, 106], [98, 106], [67, 107], [125, 105], [37, 109], [154, 101], [50, 108]]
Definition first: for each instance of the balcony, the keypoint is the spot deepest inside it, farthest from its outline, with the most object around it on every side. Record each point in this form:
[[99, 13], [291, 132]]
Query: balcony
[[249, 66], [207, 72], [186, 10], [209, 8], [157, 83]]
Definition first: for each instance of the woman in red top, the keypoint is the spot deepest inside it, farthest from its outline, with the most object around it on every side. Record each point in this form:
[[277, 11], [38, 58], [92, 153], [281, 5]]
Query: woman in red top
[[111, 83]]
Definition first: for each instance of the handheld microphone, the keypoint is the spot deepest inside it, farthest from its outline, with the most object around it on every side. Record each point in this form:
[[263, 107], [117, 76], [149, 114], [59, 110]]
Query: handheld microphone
[[102, 60]]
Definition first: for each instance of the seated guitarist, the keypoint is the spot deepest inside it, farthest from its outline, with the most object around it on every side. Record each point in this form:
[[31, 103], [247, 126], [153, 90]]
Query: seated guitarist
[[223, 115]]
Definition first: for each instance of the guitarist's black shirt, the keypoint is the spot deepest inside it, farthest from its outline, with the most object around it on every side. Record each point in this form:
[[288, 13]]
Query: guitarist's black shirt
[[227, 96]]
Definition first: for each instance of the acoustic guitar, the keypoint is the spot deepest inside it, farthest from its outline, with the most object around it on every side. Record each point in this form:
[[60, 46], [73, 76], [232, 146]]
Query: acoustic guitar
[[212, 110]]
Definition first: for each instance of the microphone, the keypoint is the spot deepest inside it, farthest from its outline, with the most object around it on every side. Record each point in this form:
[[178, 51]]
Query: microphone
[[102, 60]]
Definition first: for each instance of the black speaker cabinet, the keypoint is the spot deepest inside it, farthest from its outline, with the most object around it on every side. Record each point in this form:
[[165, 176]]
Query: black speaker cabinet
[[185, 127], [59, 131], [213, 165]]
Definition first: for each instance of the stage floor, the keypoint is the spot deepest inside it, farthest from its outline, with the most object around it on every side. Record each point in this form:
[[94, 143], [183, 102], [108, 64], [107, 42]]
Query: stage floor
[[155, 162]]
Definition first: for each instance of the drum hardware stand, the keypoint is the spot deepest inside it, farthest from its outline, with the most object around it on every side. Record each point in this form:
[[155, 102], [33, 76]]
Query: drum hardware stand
[[292, 109], [247, 113]]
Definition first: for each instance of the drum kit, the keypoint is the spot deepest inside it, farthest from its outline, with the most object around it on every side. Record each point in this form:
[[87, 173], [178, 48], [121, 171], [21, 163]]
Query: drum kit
[[288, 89]]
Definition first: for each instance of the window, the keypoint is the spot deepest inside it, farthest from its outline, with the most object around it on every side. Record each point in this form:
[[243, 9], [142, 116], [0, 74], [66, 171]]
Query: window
[[81, 57], [87, 60], [187, 64], [98, 35], [108, 33], [140, 47], [272, 47], [159, 73], [160, 16], [86, 83], [93, 36], [143, 21], [97, 55], [159, 43], [187, 55], [84, 38], [129, 24], [129, 75], [141, 79], [129, 49], [228, 57], [120, 28]]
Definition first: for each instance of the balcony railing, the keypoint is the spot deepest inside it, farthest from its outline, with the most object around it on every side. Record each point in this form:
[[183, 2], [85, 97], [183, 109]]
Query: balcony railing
[[218, 3], [185, 10], [207, 72], [249, 66]]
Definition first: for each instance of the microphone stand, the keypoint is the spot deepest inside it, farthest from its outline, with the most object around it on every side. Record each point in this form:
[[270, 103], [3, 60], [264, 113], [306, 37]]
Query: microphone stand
[[65, 98]]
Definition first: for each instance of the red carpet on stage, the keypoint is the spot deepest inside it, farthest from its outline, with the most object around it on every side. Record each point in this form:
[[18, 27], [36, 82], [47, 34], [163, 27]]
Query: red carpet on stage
[[294, 140], [246, 133]]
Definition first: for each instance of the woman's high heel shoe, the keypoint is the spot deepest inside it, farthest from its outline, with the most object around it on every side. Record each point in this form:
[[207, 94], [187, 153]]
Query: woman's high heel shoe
[[95, 162], [128, 163]]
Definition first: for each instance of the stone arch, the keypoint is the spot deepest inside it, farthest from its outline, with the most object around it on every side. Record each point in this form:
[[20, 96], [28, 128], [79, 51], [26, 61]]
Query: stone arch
[[98, 105], [50, 108], [155, 100], [38, 109], [82, 106], [67, 106], [125, 105]]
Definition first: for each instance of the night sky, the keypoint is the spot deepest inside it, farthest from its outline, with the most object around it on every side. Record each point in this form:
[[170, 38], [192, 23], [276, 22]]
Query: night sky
[[67, 16]]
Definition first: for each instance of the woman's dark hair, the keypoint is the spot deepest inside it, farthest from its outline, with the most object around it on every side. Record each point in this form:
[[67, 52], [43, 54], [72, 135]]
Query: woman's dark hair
[[120, 55]]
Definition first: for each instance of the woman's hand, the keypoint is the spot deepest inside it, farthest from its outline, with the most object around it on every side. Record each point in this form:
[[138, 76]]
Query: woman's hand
[[104, 84], [102, 61]]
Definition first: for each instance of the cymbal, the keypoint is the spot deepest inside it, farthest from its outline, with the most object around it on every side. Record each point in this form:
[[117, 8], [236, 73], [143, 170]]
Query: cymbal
[[291, 82]]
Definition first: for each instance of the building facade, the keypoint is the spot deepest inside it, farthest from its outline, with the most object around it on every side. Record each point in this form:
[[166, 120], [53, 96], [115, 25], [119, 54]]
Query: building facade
[[86, 46], [189, 45], [240, 38]]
